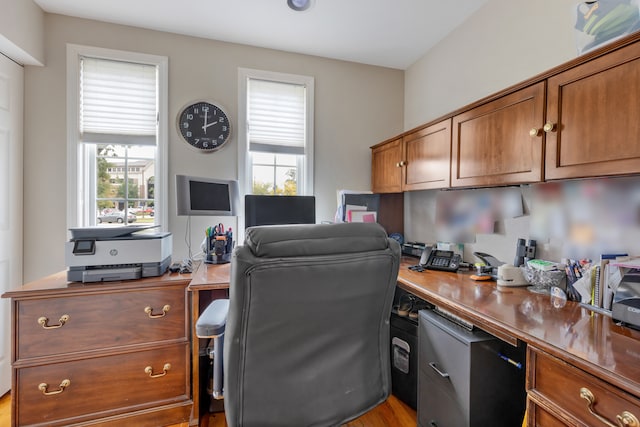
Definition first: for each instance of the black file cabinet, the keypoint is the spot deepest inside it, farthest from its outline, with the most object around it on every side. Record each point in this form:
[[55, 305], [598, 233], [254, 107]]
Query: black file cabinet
[[464, 379]]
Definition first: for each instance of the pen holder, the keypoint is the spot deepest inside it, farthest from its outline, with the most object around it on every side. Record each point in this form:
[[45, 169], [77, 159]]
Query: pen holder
[[219, 248]]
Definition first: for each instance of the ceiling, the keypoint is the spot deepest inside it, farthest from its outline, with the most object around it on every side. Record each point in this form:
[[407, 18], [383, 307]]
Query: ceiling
[[389, 33]]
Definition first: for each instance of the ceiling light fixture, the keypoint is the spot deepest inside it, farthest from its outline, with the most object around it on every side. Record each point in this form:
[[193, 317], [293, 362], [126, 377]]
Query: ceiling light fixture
[[299, 5]]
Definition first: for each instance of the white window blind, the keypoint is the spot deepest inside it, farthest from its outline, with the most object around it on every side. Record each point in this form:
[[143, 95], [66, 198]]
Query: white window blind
[[118, 103], [276, 117]]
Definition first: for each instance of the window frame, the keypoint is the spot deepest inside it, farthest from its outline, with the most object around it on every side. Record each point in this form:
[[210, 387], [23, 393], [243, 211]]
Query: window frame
[[305, 180], [79, 181]]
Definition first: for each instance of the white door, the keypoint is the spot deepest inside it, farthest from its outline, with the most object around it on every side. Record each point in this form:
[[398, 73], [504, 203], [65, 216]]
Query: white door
[[11, 105]]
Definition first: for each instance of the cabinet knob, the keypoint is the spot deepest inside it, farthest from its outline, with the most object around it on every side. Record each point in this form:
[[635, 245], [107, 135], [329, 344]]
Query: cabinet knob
[[549, 127], [625, 419], [402, 163], [398, 165], [534, 132]]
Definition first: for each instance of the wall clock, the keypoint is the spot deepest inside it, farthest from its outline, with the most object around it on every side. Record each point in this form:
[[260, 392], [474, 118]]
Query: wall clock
[[204, 125]]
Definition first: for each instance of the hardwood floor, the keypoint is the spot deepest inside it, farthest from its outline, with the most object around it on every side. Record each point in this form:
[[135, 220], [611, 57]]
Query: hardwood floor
[[5, 410], [393, 412]]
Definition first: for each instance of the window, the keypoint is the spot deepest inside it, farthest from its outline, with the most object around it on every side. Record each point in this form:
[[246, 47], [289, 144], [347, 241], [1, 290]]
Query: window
[[117, 137], [276, 146]]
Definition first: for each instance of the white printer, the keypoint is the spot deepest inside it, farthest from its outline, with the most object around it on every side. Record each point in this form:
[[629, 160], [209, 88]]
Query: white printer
[[102, 254]]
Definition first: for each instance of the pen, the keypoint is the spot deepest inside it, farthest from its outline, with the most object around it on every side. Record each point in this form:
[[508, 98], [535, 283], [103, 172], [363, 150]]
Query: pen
[[510, 360]]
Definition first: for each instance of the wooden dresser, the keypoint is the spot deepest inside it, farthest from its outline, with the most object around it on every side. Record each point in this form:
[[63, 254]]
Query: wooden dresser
[[109, 354]]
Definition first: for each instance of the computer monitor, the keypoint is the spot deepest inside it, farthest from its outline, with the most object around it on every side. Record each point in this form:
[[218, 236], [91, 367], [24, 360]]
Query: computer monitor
[[278, 210], [206, 196]]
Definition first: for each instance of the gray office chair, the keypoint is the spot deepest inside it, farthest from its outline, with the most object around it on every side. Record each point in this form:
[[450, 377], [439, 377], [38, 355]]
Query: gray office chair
[[307, 332]]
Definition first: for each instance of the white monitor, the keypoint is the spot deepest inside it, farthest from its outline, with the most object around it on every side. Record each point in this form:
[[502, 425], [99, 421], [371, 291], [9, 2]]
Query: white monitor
[[206, 196]]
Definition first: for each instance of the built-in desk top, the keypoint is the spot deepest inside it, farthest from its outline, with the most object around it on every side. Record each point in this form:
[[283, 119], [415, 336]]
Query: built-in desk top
[[576, 334], [210, 276]]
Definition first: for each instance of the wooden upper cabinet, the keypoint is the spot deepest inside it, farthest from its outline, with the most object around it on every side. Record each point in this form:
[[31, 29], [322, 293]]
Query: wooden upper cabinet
[[386, 171], [499, 142], [427, 157], [593, 111]]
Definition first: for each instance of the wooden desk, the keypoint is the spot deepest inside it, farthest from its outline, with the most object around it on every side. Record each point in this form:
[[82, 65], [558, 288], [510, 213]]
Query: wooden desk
[[209, 282], [587, 345]]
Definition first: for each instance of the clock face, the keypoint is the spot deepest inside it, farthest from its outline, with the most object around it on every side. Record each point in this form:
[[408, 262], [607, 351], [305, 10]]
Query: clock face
[[204, 126]]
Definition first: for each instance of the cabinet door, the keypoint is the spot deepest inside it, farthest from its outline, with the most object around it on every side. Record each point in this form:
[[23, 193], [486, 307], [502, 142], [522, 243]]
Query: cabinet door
[[492, 144], [386, 171], [594, 111], [428, 157]]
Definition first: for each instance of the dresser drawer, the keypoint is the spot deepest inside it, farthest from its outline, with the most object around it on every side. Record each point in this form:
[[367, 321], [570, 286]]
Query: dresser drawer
[[93, 321], [102, 386], [560, 387]]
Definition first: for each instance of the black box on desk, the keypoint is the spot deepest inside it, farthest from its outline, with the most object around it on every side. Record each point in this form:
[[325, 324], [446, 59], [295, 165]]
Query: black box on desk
[[413, 249]]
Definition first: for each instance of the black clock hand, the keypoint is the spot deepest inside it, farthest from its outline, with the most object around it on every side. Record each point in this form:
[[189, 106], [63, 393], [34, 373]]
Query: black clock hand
[[207, 125]]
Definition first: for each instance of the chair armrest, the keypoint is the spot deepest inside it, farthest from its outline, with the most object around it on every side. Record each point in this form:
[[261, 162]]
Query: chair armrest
[[213, 319]]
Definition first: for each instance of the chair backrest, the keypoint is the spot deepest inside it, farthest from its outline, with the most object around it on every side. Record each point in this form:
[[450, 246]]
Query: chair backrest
[[307, 336]]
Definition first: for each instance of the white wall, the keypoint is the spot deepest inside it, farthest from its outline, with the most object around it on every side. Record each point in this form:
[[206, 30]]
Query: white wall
[[21, 31], [503, 43], [356, 106]]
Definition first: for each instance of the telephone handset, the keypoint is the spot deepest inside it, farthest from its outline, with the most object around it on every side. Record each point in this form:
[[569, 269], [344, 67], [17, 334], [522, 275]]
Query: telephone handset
[[443, 260]]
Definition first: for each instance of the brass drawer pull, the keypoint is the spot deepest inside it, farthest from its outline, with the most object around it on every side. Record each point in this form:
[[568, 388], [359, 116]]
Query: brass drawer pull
[[626, 419], [43, 387], [149, 371], [149, 311], [44, 320]]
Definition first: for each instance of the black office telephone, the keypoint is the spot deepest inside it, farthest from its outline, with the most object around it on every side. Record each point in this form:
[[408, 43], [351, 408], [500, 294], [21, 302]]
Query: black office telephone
[[443, 260]]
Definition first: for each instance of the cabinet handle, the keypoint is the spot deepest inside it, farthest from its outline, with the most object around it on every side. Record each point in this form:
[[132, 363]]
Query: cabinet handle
[[534, 132], [435, 368], [43, 387], [44, 320], [403, 163], [626, 419], [149, 371], [549, 127], [149, 311]]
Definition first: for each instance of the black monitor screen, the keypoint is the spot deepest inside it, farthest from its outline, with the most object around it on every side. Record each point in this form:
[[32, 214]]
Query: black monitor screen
[[279, 210], [206, 196], [209, 196]]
